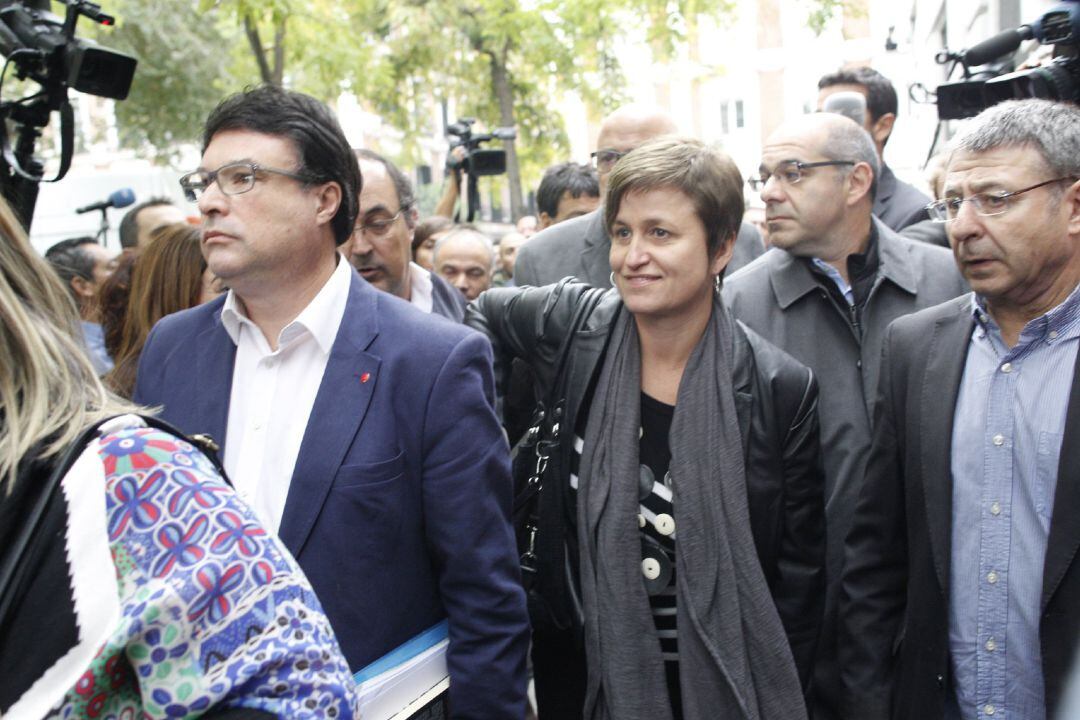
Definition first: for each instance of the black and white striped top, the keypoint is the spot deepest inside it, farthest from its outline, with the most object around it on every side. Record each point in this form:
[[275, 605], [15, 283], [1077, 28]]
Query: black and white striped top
[[655, 518]]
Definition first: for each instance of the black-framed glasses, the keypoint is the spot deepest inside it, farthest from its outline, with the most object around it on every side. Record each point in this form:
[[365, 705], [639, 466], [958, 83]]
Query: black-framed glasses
[[379, 226], [986, 204], [604, 160], [232, 179], [790, 172]]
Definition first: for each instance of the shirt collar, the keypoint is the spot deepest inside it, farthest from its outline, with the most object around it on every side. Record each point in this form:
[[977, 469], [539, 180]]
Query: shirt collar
[[321, 318], [1058, 323], [420, 288]]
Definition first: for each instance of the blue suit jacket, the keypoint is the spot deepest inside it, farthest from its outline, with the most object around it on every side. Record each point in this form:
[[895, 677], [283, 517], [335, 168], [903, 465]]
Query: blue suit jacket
[[398, 509]]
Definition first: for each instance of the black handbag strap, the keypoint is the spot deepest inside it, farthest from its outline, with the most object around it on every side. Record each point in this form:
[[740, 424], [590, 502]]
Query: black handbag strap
[[19, 559]]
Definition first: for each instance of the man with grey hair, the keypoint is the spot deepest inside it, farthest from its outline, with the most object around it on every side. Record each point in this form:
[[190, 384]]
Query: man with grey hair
[[381, 245], [465, 258], [580, 246], [834, 280], [961, 589]]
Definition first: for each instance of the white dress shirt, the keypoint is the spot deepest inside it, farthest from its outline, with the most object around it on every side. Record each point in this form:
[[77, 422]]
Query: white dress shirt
[[273, 393], [420, 288]]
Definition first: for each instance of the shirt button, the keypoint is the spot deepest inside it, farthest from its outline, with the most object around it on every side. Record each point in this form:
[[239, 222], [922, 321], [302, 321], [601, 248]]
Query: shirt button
[[999, 439], [995, 508], [1053, 334], [665, 524], [991, 645], [991, 577], [989, 710], [1006, 368], [650, 568]]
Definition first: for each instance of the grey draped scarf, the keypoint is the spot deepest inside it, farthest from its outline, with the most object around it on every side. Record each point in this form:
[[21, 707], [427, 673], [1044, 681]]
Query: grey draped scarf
[[734, 658]]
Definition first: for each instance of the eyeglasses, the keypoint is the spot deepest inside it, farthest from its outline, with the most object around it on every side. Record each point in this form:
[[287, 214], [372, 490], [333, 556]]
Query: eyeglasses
[[378, 227], [985, 204], [604, 160], [232, 179], [790, 172]]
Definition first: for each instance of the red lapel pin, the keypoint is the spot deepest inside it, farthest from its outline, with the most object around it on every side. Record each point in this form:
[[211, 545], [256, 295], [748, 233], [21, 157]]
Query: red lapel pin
[[365, 377]]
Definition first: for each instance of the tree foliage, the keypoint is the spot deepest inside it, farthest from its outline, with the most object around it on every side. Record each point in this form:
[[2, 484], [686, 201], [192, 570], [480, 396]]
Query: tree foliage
[[183, 71], [505, 62]]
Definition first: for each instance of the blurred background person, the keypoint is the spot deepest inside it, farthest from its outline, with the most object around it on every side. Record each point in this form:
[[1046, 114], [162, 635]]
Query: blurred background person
[[465, 258], [896, 203], [527, 225], [717, 431], [507, 255], [83, 266], [138, 223], [426, 233], [566, 191], [112, 301], [136, 567], [169, 275], [381, 244]]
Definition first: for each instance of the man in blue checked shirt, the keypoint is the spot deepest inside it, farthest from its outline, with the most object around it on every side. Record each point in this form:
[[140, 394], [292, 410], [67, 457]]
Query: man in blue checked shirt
[[961, 592]]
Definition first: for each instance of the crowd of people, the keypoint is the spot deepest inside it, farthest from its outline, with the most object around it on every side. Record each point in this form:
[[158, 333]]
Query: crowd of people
[[666, 452]]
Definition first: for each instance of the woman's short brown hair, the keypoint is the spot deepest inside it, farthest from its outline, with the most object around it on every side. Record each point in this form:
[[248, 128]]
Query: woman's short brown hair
[[703, 173]]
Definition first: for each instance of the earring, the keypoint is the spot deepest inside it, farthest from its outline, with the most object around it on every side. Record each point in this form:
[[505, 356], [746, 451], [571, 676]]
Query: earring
[[611, 278], [718, 282]]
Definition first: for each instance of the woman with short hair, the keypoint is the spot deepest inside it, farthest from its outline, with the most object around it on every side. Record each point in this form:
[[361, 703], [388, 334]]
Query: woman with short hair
[[680, 550]]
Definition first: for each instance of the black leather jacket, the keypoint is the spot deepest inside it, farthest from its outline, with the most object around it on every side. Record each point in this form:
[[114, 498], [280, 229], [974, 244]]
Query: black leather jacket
[[776, 403]]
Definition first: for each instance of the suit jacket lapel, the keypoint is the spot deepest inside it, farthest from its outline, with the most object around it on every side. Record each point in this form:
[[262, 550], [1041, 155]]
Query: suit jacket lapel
[[946, 356], [1064, 537], [340, 405], [594, 257], [214, 361]]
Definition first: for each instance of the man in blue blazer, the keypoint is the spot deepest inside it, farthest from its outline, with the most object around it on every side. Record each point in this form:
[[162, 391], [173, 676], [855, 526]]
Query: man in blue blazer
[[359, 427]]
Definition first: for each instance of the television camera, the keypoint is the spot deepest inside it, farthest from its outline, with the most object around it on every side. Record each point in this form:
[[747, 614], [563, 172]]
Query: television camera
[[1057, 80], [42, 47], [475, 161]]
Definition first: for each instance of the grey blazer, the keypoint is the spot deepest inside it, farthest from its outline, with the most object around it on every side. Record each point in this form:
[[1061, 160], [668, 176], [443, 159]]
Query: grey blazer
[[898, 204], [579, 248], [779, 298]]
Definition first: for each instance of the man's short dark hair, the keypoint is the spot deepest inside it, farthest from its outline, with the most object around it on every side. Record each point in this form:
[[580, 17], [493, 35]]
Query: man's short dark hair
[[402, 185], [880, 93], [70, 261], [565, 178], [325, 154], [129, 226]]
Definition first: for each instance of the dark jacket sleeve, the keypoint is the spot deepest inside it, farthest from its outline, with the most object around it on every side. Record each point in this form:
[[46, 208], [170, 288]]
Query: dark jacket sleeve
[[525, 322], [799, 591], [872, 592]]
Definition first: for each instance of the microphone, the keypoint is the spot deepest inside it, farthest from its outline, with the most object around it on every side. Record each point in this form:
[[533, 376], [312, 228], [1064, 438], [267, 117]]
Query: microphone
[[120, 198], [994, 47], [849, 104]]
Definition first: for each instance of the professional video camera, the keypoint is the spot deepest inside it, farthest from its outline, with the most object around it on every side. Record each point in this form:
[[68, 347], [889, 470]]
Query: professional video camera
[[476, 161], [42, 47], [1057, 80]]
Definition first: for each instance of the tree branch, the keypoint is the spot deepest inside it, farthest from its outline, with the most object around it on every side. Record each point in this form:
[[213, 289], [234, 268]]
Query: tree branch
[[252, 32]]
